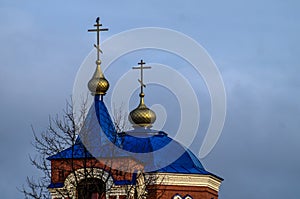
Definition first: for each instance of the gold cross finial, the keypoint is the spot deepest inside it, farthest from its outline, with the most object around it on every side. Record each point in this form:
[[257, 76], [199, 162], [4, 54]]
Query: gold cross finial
[[142, 67], [98, 30]]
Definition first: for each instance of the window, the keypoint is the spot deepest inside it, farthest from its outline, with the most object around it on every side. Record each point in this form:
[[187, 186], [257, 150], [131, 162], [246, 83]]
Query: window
[[90, 188], [178, 196]]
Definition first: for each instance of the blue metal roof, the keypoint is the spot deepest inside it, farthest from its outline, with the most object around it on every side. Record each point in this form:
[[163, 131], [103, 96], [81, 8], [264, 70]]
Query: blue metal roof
[[141, 142], [162, 161], [56, 185], [76, 152]]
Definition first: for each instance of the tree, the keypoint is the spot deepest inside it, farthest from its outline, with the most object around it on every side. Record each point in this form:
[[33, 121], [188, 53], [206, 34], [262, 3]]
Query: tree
[[85, 177]]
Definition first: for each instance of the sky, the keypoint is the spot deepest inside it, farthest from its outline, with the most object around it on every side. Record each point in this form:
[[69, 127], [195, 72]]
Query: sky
[[255, 45]]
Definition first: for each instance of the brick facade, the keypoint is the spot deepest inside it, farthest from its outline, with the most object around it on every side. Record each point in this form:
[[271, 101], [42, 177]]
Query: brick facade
[[169, 191], [168, 185]]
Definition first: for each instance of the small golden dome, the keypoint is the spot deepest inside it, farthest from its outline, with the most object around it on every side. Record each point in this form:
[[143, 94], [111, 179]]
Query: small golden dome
[[142, 116], [98, 85]]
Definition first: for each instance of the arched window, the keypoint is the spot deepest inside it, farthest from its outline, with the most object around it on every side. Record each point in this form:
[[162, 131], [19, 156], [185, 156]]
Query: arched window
[[91, 188], [177, 196]]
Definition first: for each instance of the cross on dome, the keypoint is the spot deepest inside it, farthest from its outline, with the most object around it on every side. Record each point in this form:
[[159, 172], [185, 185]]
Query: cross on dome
[[142, 67], [98, 30]]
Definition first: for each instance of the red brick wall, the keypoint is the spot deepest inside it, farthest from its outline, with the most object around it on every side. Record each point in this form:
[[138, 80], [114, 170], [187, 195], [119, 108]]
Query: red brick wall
[[168, 191], [158, 191], [60, 169]]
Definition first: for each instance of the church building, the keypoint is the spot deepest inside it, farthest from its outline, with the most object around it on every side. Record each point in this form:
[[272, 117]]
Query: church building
[[140, 163]]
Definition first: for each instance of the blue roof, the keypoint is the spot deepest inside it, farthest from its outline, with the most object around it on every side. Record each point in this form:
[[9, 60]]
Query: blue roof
[[154, 149], [78, 149], [186, 163], [56, 185]]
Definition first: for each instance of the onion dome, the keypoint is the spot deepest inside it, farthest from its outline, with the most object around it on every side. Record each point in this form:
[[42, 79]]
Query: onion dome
[[98, 85], [142, 116]]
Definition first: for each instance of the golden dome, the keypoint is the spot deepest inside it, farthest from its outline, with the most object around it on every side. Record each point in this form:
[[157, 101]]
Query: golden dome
[[142, 116], [98, 85]]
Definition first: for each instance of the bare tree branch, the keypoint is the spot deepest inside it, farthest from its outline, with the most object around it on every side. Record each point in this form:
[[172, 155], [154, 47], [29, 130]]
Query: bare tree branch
[[60, 135]]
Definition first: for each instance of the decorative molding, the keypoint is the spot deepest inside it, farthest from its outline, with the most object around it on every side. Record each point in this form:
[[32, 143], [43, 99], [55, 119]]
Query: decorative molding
[[187, 180], [178, 196], [69, 189], [188, 197]]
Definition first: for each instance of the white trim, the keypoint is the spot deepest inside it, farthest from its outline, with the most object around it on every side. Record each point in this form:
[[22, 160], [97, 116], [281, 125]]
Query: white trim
[[178, 196], [187, 180], [69, 184]]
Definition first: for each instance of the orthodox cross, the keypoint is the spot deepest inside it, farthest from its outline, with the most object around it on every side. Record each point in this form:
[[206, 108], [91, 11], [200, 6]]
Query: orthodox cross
[[142, 67], [98, 30]]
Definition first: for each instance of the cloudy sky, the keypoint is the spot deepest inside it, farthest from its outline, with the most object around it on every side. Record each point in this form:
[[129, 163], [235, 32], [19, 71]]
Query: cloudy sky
[[255, 45]]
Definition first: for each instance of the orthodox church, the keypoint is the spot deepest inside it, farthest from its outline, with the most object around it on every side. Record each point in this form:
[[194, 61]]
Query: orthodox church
[[140, 163]]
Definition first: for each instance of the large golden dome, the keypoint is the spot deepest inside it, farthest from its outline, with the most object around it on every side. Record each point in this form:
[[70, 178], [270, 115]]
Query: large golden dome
[[142, 116], [98, 85]]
